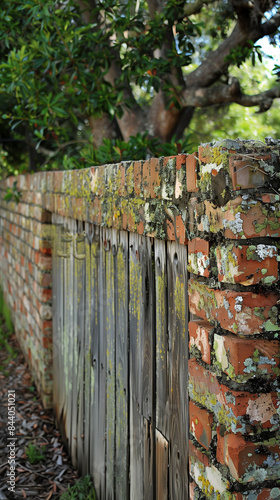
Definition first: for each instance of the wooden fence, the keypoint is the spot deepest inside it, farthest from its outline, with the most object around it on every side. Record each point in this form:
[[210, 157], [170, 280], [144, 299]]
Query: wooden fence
[[120, 359]]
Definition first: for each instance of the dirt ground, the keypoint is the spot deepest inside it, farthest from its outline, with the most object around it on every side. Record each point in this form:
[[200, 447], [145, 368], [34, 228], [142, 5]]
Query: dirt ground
[[34, 435]]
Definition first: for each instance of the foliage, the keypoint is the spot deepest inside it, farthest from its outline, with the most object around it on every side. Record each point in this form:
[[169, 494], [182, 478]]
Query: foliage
[[13, 193], [66, 66], [236, 122], [34, 453], [82, 490]]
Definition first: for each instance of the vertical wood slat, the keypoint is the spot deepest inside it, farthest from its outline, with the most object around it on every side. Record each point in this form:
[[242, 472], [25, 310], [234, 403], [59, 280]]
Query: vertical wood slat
[[87, 349], [57, 311], [122, 345], [109, 242], [161, 478], [80, 266], [74, 368], [161, 347], [68, 336], [136, 369], [102, 367], [97, 453], [178, 347]]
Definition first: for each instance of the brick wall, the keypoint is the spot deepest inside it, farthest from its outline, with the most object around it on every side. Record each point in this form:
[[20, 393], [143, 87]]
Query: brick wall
[[224, 204]]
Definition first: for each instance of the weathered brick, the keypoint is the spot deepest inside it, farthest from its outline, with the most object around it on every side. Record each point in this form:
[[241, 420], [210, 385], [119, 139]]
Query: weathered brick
[[151, 178], [246, 313], [201, 424], [198, 257], [247, 173], [209, 479], [236, 410], [243, 359], [248, 218], [191, 172], [199, 332], [248, 461], [248, 264]]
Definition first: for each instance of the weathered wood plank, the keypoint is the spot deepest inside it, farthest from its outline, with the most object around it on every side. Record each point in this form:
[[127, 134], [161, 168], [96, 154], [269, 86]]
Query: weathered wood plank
[[65, 340], [81, 268], [162, 452], [149, 460], [57, 280], [121, 314], [162, 365], [74, 421], [97, 439], [100, 356], [87, 347], [177, 325], [136, 368], [110, 239], [147, 322]]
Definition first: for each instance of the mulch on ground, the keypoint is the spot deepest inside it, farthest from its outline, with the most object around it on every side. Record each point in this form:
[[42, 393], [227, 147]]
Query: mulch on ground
[[49, 478]]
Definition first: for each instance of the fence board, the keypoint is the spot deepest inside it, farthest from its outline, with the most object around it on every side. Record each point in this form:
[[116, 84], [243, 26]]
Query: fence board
[[149, 457], [74, 430], [162, 365], [110, 239], [81, 268], [122, 345], [178, 346], [87, 347], [136, 368], [97, 457], [162, 452]]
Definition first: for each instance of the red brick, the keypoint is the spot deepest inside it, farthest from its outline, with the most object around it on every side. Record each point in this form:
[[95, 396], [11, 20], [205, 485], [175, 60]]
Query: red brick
[[181, 161], [170, 230], [239, 312], [197, 455], [241, 456], [191, 172], [122, 175], [257, 408], [246, 358], [151, 177], [199, 337], [248, 264], [247, 173], [250, 219], [180, 230], [43, 262], [192, 492], [198, 257], [201, 424], [137, 171], [205, 153]]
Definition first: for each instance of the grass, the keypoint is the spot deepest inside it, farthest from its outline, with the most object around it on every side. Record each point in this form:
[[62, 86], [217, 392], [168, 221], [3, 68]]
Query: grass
[[34, 453], [82, 490]]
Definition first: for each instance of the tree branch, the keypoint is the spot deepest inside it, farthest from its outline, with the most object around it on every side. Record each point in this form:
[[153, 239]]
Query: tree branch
[[196, 6], [222, 94], [215, 64]]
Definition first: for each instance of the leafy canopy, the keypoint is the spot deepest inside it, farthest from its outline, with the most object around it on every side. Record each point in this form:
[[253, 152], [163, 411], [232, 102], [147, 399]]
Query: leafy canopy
[[84, 83]]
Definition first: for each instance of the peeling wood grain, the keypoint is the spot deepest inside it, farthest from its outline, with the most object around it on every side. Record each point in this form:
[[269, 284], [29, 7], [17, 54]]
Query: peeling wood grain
[[122, 345], [161, 479], [161, 347], [178, 346]]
